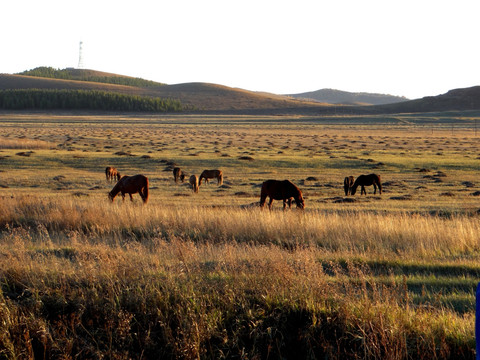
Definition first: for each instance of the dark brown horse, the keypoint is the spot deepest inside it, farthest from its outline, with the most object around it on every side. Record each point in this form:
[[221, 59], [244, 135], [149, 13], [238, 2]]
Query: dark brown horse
[[131, 185], [178, 174], [281, 190], [112, 174], [211, 174], [347, 184], [367, 180]]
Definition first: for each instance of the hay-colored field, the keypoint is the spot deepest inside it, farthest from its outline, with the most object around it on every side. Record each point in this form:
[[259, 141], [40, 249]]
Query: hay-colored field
[[211, 275]]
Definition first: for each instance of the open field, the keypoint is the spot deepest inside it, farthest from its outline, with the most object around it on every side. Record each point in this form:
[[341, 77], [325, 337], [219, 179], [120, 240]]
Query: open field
[[210, 275]]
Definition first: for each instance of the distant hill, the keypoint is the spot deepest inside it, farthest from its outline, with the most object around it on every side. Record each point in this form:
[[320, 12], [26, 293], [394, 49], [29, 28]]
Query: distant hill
[[332, 96]]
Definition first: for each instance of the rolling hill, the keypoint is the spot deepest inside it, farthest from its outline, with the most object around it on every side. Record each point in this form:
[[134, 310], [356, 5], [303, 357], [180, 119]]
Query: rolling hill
[[456, 99], [200, 96], [213, 98]]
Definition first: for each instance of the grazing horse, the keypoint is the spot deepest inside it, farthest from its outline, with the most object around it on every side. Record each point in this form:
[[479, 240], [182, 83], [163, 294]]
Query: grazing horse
[[281, 190], [347, 184], [178, 174], [367, 180], [131, 185], [211, 174], [112, 174], [194, 182]]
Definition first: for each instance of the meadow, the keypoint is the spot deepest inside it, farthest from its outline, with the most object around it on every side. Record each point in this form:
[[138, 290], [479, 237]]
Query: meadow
[[210, 275]]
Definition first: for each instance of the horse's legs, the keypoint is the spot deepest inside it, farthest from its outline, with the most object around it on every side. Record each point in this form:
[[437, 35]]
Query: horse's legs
[[270, 203], [262, 200], [131, 197], [374, 188], [363, 191], [123, 196]]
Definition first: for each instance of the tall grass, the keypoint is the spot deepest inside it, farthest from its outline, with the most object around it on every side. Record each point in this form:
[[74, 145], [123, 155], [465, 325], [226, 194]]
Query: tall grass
[[342, 231], [197, 292]]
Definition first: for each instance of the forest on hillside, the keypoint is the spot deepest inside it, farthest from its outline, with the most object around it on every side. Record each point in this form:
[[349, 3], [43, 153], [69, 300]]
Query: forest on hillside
[[40, 99]]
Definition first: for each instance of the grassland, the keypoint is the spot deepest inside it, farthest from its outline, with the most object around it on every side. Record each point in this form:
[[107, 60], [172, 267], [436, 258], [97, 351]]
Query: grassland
[[210, 275]]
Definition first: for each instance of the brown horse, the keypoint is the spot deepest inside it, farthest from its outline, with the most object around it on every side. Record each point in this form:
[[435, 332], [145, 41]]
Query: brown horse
[[367, 180], [194, 182], [347, 184], [178, 174], [131, 185], [211, 174], [281, 190], [112, 174]]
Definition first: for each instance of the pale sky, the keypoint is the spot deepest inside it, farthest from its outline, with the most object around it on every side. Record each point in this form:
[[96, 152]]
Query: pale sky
[[411, 48]]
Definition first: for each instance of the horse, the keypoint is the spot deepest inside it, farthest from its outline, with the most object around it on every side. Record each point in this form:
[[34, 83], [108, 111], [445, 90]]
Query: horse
[[194, 182], [131, 185], [367, 180], [347, 184], [112, 174], [178, 174], [281, 190], [211, 174]]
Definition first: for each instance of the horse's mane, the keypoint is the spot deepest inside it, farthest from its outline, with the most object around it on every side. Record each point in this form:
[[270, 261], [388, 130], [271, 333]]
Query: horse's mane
[[117, 188]]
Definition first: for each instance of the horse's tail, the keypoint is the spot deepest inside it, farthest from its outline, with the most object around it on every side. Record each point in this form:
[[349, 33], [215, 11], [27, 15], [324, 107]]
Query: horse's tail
[[145, 191], [220, 178], [379, 184], [263, 195], [346, 185]]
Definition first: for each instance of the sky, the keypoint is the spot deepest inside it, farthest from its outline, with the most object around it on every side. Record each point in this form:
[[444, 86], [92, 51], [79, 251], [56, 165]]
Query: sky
[[411, 48]]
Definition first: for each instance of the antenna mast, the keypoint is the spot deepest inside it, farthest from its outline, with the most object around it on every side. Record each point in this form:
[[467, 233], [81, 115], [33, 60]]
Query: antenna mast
[[80, 55]]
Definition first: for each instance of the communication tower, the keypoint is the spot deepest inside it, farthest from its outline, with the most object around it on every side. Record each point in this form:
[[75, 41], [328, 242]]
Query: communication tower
[[80, 55]]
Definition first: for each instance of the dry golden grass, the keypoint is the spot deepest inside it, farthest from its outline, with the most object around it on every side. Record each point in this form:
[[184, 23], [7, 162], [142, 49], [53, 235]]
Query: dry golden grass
[[210, 275]]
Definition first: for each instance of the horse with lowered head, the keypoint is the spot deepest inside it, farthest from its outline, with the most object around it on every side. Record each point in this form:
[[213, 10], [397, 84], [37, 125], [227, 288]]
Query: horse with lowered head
[[211, 174], [367, 180], [347, 184], [112, 174], [178, 174], [281, 190], [131, 185]]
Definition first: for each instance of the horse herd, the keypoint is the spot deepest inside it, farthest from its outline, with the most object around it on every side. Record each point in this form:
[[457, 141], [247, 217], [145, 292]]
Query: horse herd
[[283, 190], [195, 181]]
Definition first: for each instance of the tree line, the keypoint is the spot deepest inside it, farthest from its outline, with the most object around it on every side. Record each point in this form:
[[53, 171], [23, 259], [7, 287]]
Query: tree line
[[42, 99], [85, 75]]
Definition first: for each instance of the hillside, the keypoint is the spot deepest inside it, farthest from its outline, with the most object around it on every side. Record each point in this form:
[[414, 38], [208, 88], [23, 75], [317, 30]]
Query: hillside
[[89, 75], [333, 96], [200, 96], [456, 99], [213, 98]]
